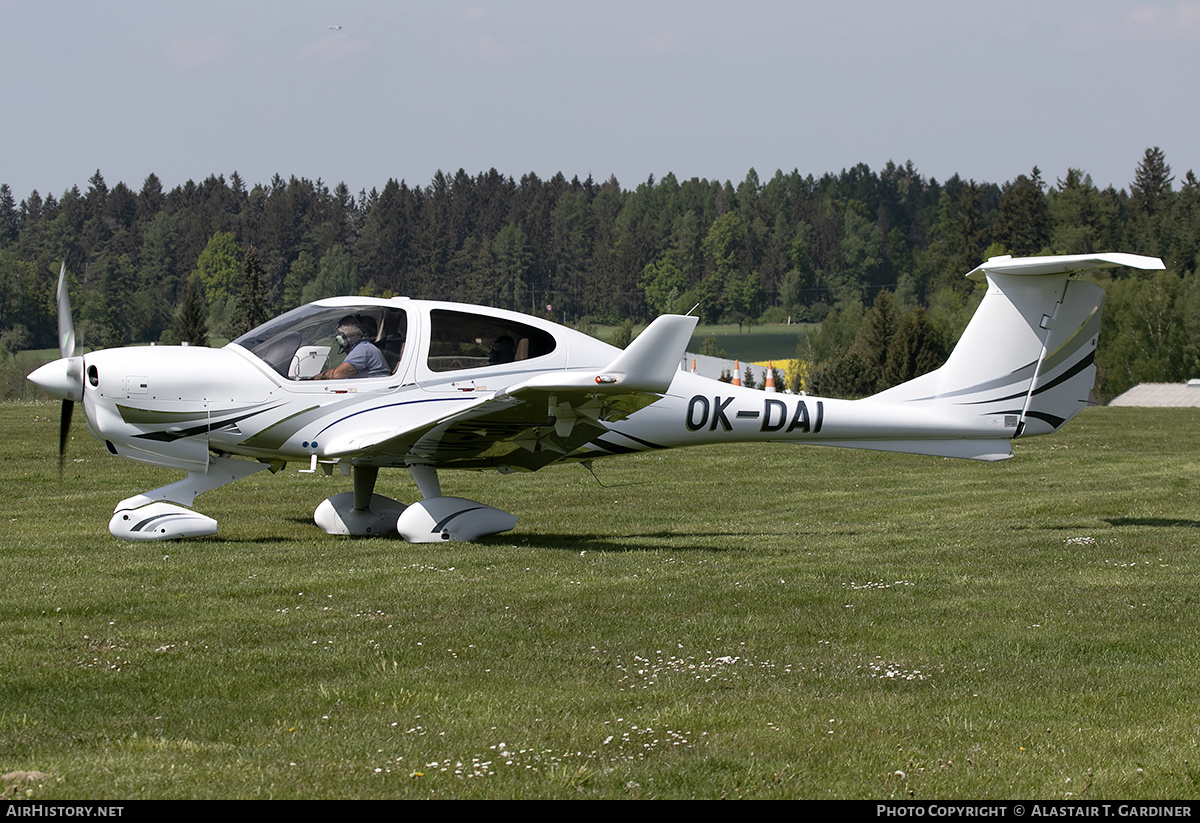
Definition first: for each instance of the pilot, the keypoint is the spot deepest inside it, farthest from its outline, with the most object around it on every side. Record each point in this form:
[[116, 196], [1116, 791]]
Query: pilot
[[363, 357]]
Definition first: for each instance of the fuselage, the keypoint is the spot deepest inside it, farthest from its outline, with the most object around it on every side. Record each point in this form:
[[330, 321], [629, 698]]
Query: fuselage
[[173, 405]]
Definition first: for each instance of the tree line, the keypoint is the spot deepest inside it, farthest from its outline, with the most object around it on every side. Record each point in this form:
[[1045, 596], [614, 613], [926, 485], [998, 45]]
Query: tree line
[[874, 259]]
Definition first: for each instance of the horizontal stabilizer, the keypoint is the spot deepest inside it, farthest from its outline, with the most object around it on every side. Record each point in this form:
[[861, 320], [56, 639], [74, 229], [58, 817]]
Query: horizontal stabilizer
[[651, 361], [1064, 264]]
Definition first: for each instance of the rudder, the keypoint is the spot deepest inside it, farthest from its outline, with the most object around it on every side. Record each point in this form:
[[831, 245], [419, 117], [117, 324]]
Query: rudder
[[1066, 370]]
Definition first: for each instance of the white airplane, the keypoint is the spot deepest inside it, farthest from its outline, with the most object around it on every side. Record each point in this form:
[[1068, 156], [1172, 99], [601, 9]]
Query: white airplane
[[479, 388]]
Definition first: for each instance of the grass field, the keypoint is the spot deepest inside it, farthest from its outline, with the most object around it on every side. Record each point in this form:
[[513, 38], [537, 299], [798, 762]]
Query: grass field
[[757, 622], [765, 342], [750, 344]]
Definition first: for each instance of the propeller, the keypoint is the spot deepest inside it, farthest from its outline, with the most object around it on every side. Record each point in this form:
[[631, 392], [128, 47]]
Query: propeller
[[66, 349], [66, 329], [64, 377]]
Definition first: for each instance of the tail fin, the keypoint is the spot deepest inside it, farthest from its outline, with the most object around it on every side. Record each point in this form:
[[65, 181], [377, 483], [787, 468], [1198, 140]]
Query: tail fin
[[1029, 352]]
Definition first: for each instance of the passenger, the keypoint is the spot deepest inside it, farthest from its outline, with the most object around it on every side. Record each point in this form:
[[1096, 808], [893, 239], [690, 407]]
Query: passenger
[[363, 357], [504, 350]]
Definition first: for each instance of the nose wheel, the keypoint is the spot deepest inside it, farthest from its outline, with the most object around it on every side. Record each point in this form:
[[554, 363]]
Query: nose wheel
[[155, 515]]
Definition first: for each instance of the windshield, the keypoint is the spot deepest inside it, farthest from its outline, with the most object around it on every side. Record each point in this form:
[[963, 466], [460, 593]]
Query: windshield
[[304, 343]]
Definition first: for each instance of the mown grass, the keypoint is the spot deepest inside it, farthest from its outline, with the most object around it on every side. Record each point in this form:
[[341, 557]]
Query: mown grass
[[753, 348], [750, 343], [741, 621], [753, 343]]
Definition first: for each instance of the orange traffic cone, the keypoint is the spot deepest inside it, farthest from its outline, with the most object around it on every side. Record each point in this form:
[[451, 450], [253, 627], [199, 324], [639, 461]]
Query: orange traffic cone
[[770, 377], [737, 372]]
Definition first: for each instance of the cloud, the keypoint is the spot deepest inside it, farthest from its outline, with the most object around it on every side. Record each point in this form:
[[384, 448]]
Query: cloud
[[198, 53], [1139, 26], [336, 47], [471, 11], [487, 49], [1181, 19]]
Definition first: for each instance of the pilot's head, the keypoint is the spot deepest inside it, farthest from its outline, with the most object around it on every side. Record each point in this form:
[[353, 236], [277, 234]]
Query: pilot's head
[[349, 332]]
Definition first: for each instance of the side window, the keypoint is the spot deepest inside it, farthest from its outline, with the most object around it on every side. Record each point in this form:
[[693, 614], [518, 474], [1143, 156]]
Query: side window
[[459, 340]]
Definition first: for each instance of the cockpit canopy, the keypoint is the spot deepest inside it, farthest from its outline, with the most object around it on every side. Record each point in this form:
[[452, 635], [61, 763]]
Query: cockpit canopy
[[303, 342]]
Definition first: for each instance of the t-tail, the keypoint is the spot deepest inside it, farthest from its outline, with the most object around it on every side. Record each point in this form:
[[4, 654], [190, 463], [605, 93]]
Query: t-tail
[[1027, 358], [1025, 365]]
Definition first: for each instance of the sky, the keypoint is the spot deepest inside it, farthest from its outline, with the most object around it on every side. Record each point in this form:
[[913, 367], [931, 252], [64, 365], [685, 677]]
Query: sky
[[363, 91]]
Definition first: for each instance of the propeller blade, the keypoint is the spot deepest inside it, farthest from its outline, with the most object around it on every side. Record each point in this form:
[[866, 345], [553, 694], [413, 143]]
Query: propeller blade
[[64, 377], [64, 431], [66, 328]]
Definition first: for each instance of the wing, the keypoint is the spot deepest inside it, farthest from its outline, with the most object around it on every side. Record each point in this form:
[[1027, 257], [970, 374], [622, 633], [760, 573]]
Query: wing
[[536, 422]]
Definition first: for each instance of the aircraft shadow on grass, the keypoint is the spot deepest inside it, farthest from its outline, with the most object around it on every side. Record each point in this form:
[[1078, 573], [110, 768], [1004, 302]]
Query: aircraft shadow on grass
[[1155, 522]]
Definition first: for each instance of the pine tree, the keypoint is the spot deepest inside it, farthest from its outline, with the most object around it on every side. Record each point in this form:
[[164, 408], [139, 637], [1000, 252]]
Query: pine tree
[[916, 348], [1151, 183], [1023, 219], [251, 308], [10, 221], [191, 322], [119, 288], [969, 230], [1073, 212], [748, 378], [850, 377], [874, 338], [1151, 229]]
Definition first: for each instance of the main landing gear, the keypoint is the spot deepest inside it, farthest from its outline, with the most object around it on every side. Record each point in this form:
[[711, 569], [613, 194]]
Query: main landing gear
[[433, 519]]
